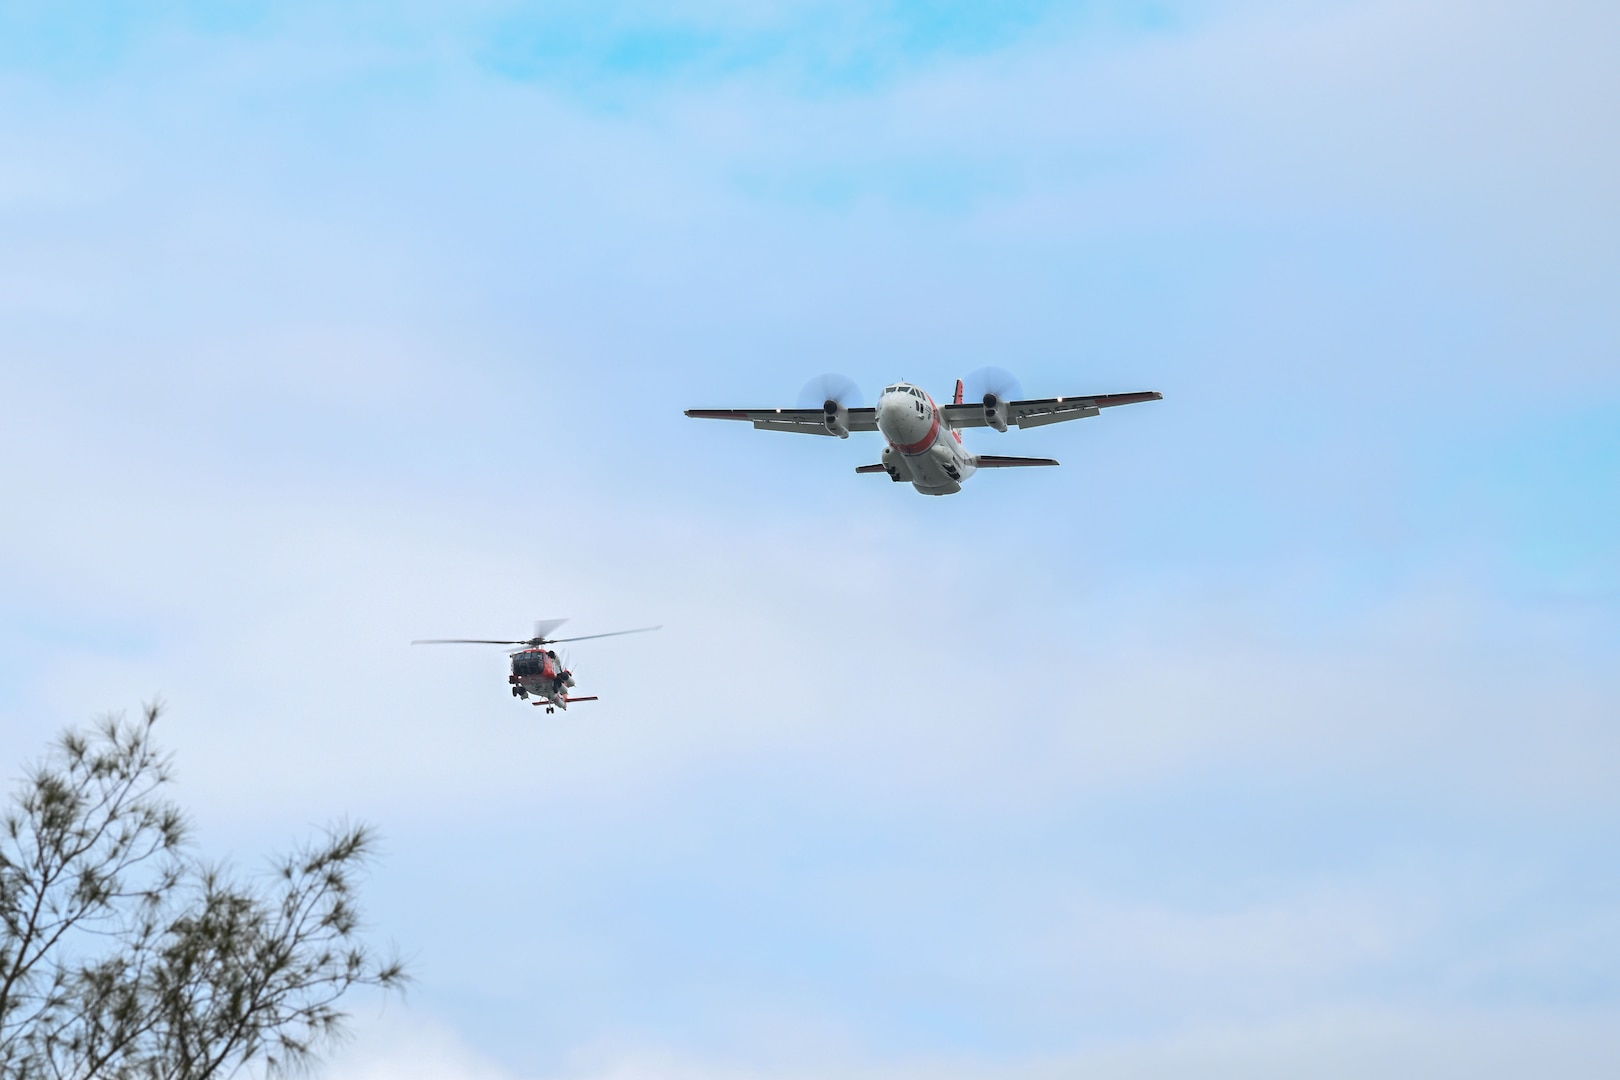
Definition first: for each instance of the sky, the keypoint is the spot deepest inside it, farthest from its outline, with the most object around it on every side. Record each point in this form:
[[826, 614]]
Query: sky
[[1275, 733]]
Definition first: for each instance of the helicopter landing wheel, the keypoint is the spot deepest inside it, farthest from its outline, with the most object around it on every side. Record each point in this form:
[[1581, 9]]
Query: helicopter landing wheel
[[514, 691], [549, 710]]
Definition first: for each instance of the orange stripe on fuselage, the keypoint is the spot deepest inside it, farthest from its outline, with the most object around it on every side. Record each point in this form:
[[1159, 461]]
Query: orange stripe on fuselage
[[925, 442]]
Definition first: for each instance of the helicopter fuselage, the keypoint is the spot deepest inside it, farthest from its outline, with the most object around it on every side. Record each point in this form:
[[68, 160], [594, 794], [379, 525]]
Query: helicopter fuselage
[[538, 673]]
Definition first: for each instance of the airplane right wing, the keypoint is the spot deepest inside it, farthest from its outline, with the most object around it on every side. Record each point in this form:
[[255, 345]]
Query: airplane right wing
[[1035, 412]]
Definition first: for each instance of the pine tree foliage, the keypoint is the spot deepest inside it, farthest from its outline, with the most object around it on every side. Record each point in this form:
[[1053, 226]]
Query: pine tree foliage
[[123, 956]]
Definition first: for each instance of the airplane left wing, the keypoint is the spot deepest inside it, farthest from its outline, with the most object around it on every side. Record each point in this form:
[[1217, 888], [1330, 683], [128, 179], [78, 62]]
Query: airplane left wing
[[1037, 411], [804, 421]]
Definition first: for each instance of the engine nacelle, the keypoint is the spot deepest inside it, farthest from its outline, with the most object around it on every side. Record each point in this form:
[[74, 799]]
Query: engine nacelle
[[835, 418], [896, 465], [995, 412]]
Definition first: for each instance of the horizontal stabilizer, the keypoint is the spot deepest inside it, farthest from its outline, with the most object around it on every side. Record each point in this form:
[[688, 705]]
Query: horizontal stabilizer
[[994, 461], [869, 468]]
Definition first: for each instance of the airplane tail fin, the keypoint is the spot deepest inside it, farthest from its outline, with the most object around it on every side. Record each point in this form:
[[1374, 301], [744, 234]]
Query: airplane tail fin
[[958, 399]]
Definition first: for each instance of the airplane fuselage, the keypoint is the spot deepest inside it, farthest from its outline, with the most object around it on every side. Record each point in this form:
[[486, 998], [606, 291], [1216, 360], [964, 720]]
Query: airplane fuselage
[[923, 448]]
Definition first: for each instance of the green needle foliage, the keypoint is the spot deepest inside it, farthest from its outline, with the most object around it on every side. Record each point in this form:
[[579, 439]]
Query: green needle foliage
[[125, 957]]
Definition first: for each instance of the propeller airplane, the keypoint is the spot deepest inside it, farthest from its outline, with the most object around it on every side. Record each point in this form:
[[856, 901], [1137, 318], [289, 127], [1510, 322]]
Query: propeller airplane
[[925, 439], [536, 670]]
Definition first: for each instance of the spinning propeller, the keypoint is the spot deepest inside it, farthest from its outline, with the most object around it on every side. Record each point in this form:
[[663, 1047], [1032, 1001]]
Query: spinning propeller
[[831, 394], [831, 387], [991, 381]]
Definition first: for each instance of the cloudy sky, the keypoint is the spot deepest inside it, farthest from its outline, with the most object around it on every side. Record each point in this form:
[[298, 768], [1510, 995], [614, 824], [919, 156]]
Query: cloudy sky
[[1276, 733]]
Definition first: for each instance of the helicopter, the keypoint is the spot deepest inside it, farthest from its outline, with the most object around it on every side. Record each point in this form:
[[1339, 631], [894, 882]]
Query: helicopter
[[536, 670]]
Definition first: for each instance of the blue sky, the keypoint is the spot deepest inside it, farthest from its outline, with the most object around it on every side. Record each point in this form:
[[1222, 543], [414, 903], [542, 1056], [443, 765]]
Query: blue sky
[[1274, 733]]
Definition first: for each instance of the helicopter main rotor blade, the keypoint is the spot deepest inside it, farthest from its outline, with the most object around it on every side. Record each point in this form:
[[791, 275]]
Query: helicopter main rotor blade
[[615, 633], [464, 641]]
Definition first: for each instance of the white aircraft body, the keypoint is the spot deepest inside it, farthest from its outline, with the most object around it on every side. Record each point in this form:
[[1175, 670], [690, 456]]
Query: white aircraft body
[[925, 440]]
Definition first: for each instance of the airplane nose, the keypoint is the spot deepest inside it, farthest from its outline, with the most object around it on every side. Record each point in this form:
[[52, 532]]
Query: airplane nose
[[893, 411]]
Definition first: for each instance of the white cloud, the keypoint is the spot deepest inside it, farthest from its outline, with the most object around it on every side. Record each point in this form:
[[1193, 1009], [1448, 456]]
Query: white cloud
[[406, 1045], [1333, 1043]]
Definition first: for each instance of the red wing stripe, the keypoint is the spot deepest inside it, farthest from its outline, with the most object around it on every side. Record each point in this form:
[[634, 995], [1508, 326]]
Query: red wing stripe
[[1103, 401]]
